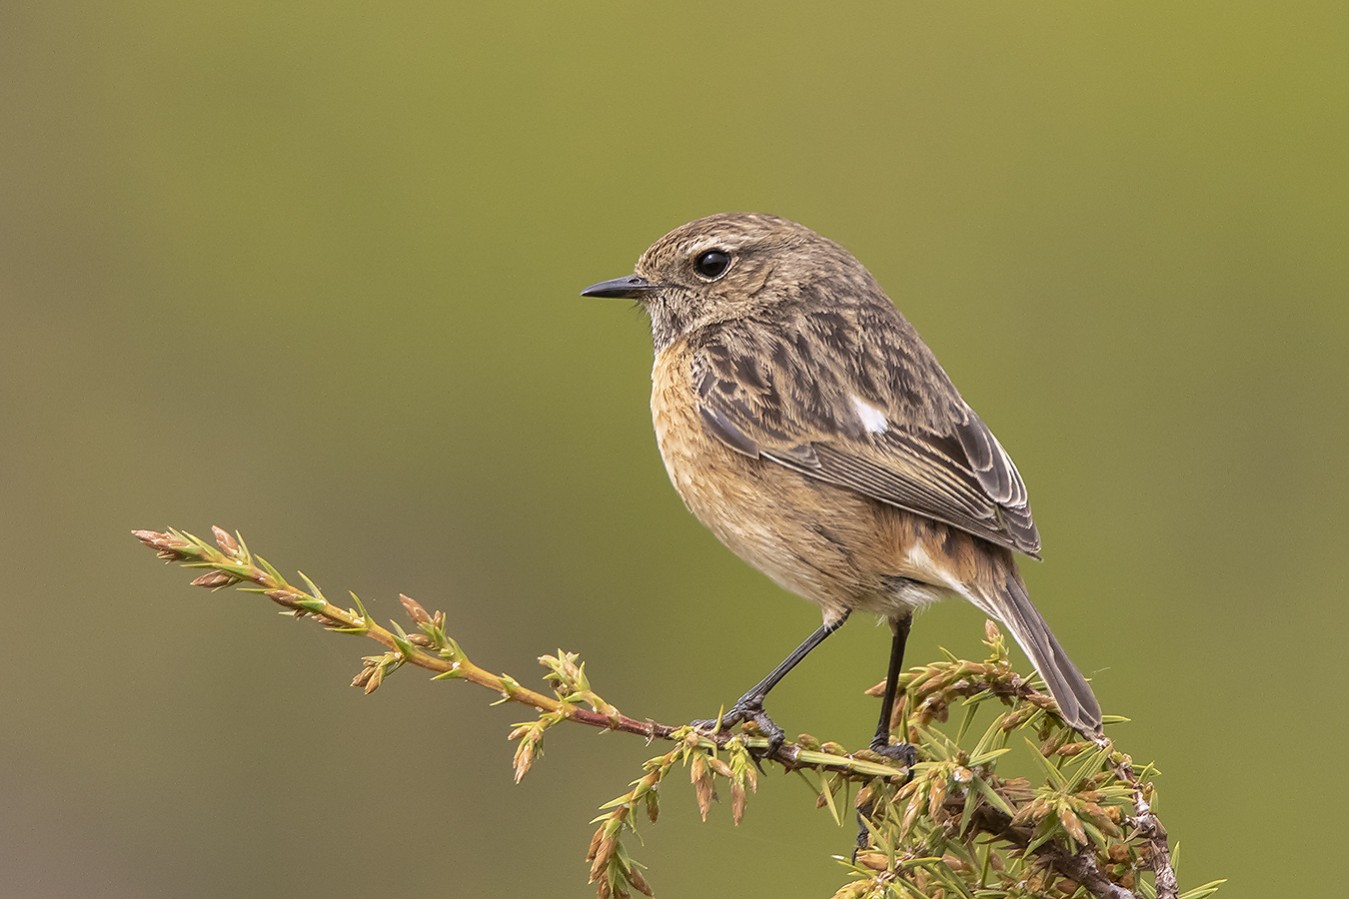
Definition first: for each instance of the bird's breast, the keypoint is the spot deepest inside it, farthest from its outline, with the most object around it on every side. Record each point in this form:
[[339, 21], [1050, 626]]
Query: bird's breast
[[826, 543], [711, 478]]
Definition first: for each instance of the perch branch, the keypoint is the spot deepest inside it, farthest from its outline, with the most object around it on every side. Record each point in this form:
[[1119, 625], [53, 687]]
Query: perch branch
[[230, 563], [1090, 827]]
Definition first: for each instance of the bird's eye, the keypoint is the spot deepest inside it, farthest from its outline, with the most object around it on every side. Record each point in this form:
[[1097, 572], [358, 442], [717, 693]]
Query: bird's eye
[[712, 264]]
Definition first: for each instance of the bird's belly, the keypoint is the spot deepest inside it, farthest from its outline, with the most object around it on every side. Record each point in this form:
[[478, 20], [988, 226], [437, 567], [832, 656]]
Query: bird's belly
[[828, 544]]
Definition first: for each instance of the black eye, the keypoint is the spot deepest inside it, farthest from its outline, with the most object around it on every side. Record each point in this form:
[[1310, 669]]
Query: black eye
[[712, 264]]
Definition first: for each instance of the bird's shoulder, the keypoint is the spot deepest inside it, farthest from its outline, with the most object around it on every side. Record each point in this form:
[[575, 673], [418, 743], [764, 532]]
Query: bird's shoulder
[[809, 368]]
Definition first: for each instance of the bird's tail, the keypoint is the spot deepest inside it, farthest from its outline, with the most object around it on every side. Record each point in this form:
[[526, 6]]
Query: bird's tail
[[1012, 606]]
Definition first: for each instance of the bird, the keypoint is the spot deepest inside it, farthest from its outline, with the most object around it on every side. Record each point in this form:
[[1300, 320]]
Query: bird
[[803, 420]]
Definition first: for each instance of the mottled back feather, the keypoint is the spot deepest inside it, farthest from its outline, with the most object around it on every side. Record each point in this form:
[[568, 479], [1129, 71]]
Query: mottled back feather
[[763, 392]]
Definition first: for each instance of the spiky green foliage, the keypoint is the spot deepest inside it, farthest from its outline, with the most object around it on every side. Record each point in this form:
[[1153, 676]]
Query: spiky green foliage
[[1006, 801]]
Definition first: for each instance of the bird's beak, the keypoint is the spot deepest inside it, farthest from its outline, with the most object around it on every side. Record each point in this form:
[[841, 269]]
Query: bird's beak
[[632, 287]]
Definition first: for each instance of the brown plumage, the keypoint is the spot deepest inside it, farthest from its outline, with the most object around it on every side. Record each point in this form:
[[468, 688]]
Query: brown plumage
[[805, 422]]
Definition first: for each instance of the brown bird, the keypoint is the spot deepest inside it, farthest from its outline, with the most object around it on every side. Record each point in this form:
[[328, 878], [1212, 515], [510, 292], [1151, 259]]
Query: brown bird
[[804, 421]]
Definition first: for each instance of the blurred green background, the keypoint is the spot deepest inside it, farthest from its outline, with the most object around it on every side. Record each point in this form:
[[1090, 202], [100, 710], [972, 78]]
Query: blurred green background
[[310, 271]]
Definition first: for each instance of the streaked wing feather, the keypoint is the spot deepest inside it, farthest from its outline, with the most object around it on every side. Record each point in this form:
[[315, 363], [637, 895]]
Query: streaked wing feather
[[950, 467]]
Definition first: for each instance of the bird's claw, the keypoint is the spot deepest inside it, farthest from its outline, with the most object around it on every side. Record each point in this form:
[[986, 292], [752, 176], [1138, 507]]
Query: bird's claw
[[748, 709], [899, 752]]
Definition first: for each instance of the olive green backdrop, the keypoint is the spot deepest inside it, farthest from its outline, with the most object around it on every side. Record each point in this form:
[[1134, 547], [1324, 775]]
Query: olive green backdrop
[[310, 271]]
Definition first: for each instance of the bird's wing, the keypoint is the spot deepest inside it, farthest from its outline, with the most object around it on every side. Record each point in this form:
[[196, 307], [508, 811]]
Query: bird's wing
[[854, 398]]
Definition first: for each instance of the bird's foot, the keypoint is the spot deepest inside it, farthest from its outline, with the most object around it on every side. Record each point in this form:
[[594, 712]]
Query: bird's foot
[[899, 752], [748, 708]]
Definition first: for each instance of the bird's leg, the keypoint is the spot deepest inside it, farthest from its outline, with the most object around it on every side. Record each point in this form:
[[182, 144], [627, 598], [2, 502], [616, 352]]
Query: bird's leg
[[880, 744], [749, 707]]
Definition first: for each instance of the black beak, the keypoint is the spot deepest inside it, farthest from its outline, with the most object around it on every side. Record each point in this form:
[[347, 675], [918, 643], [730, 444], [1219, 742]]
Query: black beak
[[630, 287]]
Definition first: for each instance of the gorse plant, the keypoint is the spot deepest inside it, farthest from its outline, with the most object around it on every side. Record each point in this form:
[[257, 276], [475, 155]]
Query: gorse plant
[[1076, 821]]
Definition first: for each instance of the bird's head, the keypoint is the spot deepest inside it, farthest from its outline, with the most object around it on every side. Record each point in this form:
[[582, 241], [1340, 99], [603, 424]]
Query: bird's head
[[736, 265]]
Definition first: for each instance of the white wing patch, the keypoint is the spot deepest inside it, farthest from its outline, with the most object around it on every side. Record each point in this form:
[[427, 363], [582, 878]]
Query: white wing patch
[[872, 419]]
